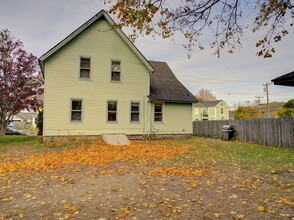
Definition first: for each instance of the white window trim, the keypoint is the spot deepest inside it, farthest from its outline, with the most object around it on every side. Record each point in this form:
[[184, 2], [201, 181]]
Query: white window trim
[[117, 107], [140, 112], [121, 70], [70, 110], [79, 68], [163, 112]]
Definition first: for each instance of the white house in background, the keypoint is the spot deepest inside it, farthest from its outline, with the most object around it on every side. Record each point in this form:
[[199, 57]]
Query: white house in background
[[25, 120], [210, 110]]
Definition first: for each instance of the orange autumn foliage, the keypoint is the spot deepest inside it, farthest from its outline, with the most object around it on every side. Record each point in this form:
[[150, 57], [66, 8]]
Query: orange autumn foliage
[[97, 153]]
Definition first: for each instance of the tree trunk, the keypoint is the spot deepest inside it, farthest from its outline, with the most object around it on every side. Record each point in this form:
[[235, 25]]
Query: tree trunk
[[3, 126], [2, 129]]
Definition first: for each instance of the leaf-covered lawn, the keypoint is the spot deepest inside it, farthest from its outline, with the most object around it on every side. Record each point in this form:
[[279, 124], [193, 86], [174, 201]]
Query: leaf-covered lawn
[[197, 178]]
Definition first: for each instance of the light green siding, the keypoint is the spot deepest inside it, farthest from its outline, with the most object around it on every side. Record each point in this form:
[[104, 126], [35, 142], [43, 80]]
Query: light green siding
[[62, 83], [213, 113], [197, 113], [225, 114], [102, 44], [177, 119]]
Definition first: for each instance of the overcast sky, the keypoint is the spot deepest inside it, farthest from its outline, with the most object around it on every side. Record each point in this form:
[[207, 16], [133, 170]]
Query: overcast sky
[[235, 78]]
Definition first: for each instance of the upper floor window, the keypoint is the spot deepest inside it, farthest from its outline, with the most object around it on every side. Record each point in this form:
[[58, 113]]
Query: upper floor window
[[158, 113], [76, 110], [85, 68], [205, 113], [135, 112], [112, 111], [115, 71], [222, 111]]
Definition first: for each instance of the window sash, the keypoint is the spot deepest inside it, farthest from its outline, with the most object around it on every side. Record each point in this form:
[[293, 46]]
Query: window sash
[[115, 76], [115, 66], [135, 112], [76, 110], [115, 71], [85, 68], [111, 111], [158, 115], [76, 105]]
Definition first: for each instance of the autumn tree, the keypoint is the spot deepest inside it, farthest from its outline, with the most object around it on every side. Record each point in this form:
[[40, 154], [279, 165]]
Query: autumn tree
[[20, 79], [205, 95], [288, 110], [194, 19], [246, 112]]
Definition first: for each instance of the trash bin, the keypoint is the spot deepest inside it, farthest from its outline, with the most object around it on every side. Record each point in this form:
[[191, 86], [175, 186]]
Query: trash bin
[[228, 132]]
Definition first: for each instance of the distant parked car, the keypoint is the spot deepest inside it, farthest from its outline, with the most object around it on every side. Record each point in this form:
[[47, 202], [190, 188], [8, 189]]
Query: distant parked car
[[11, 125], [11, 131]]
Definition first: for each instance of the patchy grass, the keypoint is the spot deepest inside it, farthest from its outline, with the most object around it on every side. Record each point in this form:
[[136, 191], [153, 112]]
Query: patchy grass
[[232, 155], [16, 139], [199, 178], [18, 142]]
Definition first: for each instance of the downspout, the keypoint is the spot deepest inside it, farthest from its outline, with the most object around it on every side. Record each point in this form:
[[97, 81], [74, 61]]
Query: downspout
[[150, 118], [144, 113]]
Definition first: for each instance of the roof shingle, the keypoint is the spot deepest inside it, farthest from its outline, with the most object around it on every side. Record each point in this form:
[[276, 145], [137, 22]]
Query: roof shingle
[[164, 86]]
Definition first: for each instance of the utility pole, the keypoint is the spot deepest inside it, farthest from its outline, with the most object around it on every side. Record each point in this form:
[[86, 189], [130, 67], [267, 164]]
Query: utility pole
[[265, 89], [258, 102]]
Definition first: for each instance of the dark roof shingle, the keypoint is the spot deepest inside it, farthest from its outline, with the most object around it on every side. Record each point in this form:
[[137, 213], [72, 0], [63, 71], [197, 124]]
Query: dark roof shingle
[[164, 86]]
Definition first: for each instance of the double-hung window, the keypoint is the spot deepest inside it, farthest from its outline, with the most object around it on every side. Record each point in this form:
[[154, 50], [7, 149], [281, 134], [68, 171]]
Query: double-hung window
[[222, 111], [85, 68], [112, 111], [135, 111], [76, 110], [115, 71], [158, 113]]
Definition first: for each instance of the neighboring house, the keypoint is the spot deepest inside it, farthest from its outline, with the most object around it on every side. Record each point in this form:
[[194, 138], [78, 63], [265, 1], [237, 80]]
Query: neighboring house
[[97, 82], [210, 110], [285, 80], [25, 120]]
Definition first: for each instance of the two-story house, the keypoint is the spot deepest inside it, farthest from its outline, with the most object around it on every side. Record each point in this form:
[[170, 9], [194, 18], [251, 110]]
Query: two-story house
[[210, 110], [97, 82]]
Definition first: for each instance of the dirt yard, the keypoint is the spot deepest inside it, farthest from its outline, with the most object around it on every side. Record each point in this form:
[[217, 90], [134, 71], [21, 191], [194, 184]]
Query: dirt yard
[[192, 179]]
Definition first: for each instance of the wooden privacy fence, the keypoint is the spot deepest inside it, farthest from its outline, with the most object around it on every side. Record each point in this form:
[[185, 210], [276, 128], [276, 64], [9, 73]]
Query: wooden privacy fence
[[266, 131]]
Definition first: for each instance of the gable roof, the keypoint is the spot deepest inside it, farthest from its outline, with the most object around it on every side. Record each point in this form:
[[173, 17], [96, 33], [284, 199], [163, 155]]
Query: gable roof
[[99, 15], [285, 80], [207, 104], [164, 86], [27, 115]]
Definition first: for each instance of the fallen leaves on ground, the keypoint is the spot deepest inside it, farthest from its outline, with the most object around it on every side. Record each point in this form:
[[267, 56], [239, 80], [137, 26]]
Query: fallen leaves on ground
[[98, 153]]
